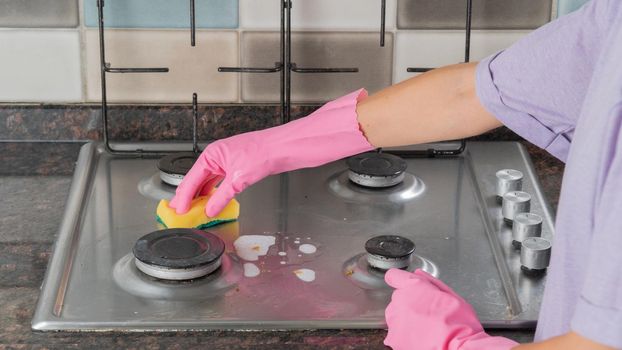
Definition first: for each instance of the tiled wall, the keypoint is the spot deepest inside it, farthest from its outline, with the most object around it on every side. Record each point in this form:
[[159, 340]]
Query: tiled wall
[[49, 49]]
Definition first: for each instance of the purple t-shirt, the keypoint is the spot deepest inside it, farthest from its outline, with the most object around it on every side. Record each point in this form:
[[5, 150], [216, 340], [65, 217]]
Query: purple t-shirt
[[561, 88]]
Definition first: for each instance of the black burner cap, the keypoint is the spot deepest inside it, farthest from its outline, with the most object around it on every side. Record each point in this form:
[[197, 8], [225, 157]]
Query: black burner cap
[[392, 247], [179, 248], [178, 163], [376, 164]]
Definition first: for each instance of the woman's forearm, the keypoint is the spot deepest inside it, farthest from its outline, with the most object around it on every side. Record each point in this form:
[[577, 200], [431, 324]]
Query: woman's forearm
[[439, 105]]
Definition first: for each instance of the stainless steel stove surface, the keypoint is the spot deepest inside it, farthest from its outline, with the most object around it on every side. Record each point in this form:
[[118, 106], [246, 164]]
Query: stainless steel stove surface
[[296, 257]]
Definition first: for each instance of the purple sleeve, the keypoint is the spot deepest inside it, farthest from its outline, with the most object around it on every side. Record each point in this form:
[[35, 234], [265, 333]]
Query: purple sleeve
[[537, 86], [598, 315]]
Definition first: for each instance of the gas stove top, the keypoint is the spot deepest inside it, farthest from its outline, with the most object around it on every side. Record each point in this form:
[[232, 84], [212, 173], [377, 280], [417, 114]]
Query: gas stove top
[[299, 255]]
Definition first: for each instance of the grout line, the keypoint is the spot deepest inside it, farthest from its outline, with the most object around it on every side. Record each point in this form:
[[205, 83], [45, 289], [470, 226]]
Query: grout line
[[82, 33], [554, 9]]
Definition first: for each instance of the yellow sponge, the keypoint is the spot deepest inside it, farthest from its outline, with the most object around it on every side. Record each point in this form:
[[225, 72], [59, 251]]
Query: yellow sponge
[[195, 217]]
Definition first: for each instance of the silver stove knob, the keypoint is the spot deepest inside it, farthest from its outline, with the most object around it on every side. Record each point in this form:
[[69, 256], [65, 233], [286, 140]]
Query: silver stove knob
[[508, 180], [525, 225], [535, 254], [515, 202]]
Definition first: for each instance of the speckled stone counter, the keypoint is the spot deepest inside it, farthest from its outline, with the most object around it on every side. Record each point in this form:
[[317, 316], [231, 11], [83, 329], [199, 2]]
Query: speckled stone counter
[[35, 178]]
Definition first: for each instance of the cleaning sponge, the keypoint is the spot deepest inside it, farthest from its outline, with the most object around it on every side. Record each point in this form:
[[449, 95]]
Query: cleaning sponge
[[195, 217]]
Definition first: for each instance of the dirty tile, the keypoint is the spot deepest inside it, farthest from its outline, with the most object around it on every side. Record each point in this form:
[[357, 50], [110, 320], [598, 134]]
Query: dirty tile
[[192, 69], [163, 13], [317, 50], [40, 66], [318, 14], [39, 13], [487, 14], [430, 49]]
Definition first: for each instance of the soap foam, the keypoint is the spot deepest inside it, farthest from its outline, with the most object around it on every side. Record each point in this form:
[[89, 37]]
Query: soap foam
[[307, 248], [306, 275], [251, 270], [251, 247]]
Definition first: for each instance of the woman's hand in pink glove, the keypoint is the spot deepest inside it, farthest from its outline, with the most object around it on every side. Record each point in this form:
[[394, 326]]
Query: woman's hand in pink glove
[[328, 134], [426, 314]]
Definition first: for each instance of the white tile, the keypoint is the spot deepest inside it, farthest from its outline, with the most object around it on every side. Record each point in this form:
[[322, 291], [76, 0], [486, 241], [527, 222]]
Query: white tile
[[431, 48], [40, 66], [317, 14], [192, 69]]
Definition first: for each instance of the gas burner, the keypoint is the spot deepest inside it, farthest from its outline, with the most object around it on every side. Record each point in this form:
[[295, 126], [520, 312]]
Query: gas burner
[[154, 188], [408, 189], [178, 254], [366, 270], [386, 252], [132, 280], [376, 170], [175, 166], [360, 271]]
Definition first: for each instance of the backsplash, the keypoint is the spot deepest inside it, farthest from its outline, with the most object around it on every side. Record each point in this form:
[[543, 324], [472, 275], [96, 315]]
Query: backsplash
[[50, 48]]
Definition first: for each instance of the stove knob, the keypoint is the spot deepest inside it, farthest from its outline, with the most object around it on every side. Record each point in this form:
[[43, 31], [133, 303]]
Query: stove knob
[[515, 202], [535, 254], [508, 180], [525, 225]]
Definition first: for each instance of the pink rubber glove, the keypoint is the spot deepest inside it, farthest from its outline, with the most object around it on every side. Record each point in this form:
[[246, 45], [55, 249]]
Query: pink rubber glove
[[330, 133], [425, 314]]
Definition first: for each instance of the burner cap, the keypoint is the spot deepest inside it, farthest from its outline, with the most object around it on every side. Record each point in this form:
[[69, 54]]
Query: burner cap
[[174, 166], [385, 252], [376, 170], [390, 246], [178, 253], [377, 164]]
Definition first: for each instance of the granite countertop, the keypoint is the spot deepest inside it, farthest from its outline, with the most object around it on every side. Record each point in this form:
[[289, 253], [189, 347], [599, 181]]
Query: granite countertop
[[35, 178]]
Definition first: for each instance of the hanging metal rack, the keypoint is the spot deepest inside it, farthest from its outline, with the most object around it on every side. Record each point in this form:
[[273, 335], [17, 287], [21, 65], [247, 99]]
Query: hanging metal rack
[[106, 67], [286, 61], [431, 152]]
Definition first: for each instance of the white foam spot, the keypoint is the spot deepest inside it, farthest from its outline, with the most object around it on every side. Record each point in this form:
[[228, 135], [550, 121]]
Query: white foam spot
[[283, 263], [251, 270], [297, 242], [282, 253], [251, 247], [305, 275], [307, 248]]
